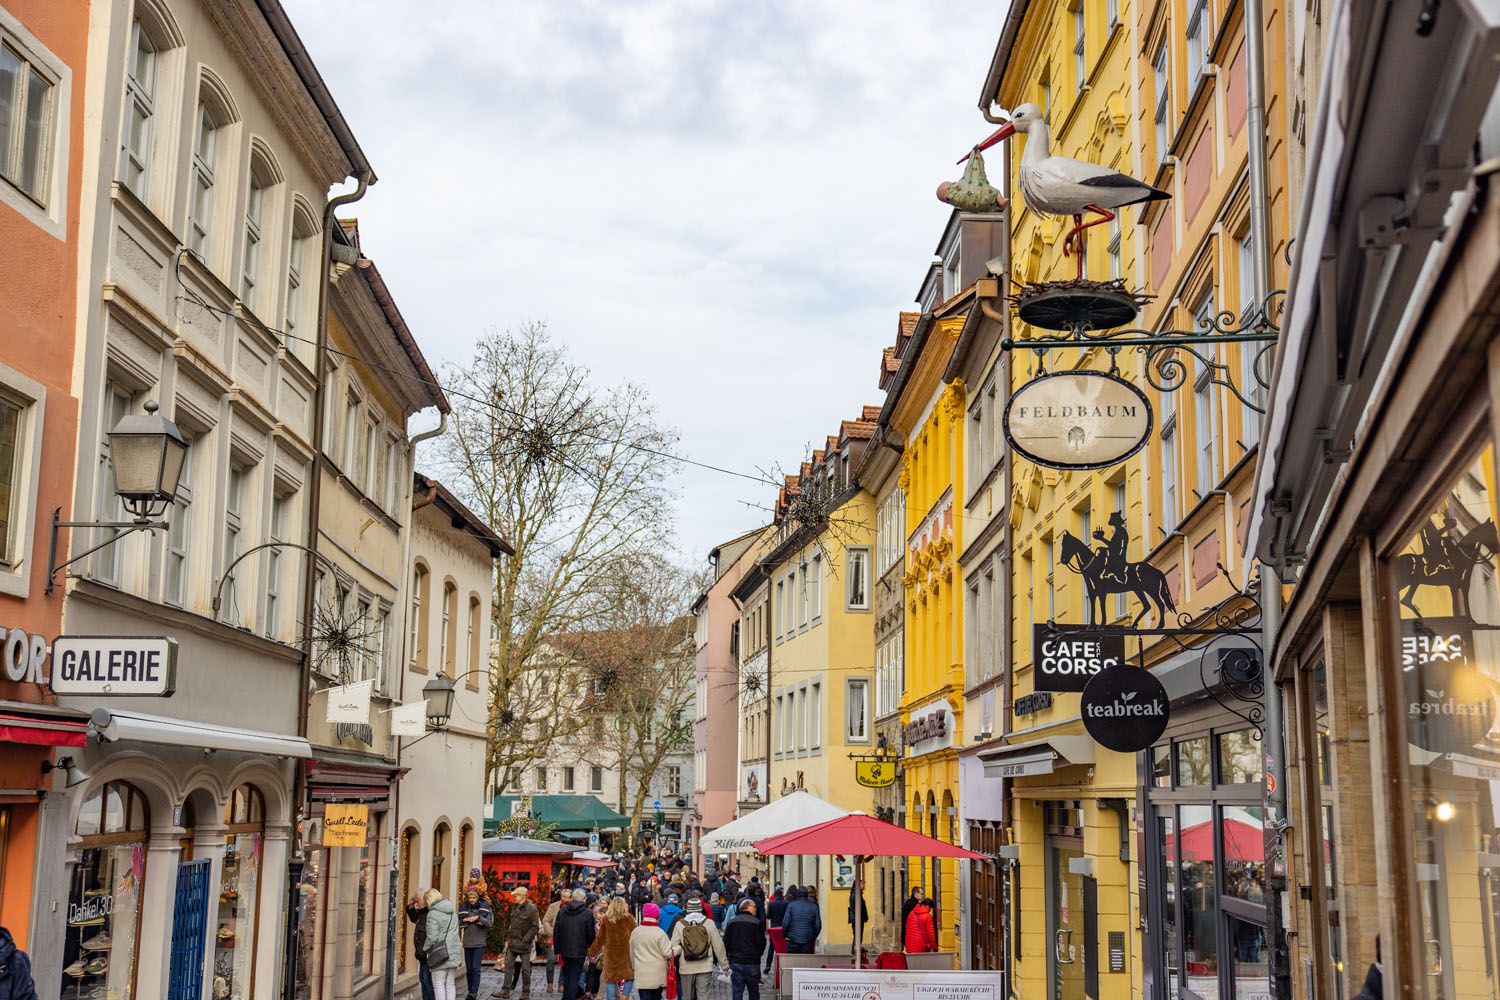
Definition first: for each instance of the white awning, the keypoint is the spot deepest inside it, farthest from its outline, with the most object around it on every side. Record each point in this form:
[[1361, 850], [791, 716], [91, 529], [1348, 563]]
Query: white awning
[[790, 812], [1037, 757], [113, 726]]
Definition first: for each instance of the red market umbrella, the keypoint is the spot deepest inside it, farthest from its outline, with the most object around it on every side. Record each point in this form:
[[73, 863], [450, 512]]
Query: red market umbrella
[[1242, 842], [862, 837]]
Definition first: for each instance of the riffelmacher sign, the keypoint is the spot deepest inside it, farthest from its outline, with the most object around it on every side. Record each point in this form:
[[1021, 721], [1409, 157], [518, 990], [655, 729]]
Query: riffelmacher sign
[[1125, 709], [1067, 657], [114, 665], [1077, 420]]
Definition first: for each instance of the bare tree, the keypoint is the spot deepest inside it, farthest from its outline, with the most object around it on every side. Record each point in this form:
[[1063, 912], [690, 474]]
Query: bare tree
[[574, 476], [642, 665]]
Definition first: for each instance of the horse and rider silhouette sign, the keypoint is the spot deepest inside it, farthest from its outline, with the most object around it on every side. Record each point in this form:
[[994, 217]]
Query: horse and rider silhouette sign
[[1078, 420]]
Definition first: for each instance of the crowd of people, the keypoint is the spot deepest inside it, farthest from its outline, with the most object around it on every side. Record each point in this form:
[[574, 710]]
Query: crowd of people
[[631, 930]]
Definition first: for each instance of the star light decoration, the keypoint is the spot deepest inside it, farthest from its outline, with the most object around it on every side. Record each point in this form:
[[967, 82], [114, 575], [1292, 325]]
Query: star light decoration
[[341, 640]]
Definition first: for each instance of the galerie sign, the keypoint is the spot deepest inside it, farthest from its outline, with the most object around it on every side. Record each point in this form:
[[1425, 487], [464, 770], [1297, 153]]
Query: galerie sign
[[1125, 709], [1077, 420], [115, 665], [345, 825], [1067, 657]]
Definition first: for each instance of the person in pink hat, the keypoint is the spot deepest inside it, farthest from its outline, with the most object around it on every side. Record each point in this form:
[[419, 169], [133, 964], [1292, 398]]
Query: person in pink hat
[[650, 953]]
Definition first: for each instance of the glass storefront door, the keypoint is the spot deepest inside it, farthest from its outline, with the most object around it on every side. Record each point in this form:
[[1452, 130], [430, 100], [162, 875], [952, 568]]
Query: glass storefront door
[[1064, 919]]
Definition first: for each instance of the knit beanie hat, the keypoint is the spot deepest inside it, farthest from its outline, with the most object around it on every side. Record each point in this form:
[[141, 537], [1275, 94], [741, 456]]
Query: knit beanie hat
[[694, 904], [650, 913]]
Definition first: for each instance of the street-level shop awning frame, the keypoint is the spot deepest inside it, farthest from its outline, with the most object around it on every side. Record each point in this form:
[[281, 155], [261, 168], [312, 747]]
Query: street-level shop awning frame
[[112, 726], [1042, 756], [42, 729]]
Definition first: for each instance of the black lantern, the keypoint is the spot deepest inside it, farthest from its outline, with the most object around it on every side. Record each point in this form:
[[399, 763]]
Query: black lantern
[[439, 695], [147, 452]]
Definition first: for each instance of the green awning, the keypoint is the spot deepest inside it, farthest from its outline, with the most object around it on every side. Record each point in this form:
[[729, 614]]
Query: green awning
[[572, 812]]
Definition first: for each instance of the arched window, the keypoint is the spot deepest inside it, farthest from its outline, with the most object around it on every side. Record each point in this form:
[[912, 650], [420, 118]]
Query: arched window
[[449, 636], [474, 637], [442, 844], [213, 153], [149, 95], [465, 839], [104, 897], [301, 275], [420, 591], [255, 291], [237, 930]]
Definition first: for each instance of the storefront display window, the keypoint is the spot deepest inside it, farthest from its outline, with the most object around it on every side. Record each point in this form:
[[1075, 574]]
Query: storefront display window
[[104, 898], [364, 916], [239, 897], [310, 902], [1446, 584], [1209, 884]]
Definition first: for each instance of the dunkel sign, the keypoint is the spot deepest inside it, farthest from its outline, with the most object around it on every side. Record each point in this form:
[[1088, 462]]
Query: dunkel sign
[[1125, 708], [1078, 420], [1068, 656], [115, 665]]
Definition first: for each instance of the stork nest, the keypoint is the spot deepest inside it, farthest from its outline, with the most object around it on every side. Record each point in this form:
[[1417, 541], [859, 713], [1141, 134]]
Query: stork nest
[[1079, 304], [1027, 291]]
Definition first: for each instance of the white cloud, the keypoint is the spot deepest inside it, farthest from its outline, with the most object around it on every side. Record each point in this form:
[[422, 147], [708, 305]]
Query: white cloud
[[727, 202]]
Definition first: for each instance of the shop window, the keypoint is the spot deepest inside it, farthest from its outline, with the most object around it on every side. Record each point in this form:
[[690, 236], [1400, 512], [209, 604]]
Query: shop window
[[1445, 581], [1196, 868], [237, 933], [312, 910], [441, 838], [465, 836], [1161, 766], [1239, 757], [104, 896], [408, 852], [1193, 762], [365, 901]]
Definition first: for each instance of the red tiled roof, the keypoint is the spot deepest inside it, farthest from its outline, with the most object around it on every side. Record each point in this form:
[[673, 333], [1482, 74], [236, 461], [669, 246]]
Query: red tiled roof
[[870, 413], [858, 430]]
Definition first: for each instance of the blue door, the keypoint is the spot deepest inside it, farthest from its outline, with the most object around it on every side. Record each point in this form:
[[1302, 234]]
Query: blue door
[[189, 926]]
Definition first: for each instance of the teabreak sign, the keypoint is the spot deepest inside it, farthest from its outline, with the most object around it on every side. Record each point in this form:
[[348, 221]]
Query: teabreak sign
[[1078, 420], [1125, 708]]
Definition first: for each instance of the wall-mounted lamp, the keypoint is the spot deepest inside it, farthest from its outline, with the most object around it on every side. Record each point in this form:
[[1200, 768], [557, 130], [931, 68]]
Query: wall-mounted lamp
[[73, 775]]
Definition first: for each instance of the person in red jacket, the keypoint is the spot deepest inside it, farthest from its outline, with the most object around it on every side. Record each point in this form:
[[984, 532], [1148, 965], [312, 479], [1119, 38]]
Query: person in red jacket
[[921, 931]]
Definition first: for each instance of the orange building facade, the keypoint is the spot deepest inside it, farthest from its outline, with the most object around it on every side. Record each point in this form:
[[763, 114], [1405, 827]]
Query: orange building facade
[[42, 55]]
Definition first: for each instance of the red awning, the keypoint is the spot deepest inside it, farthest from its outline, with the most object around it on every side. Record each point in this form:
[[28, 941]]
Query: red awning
[[42, 730], [591, 862], [859, 835]]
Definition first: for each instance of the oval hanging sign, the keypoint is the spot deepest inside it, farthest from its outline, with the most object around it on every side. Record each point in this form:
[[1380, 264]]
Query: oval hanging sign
[[1078, 420]]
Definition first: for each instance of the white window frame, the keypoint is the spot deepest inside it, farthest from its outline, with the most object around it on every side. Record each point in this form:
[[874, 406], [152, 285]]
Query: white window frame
[[857, 694], [364, 618], [1080, 46], [815, 717], [569, 779], [857, 567], [107, 504], [1161, 72], [1111, 14], [201, 186], [1199, 26], [235, 491], [815, 590], [140, 106], [30, 399], [596, 779], [1205, 403], [255, 207], [1050, 546], [295, 258], [30, 70], [179, 535], [1115, 249]]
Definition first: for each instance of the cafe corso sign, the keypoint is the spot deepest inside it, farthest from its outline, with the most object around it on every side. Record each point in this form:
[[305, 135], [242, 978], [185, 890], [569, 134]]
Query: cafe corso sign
[[1078, 420], [1068, 656]]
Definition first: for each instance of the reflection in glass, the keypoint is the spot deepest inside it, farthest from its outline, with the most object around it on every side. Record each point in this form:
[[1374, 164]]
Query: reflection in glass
[[1193, 762], [1249, 969], [1167, 829], [1161, 766], [1242, 829], [1239, 758], [1199, 909], [1444, 586]]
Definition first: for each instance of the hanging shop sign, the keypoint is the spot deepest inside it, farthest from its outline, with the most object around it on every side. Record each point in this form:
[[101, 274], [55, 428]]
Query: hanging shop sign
[[1069, 656], [22, 655], [114, 665], [345, 824], [1125, 709], [1078, 420], [875, 773], [928, 730], [1450, 704], [1030, 704]]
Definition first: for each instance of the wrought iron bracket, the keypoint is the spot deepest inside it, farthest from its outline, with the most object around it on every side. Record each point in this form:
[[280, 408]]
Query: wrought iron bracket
[[122, 528], [1166, 370], [1236, 680]]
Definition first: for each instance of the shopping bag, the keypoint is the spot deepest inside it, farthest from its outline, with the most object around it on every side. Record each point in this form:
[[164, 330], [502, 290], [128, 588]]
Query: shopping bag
[[671, 981]]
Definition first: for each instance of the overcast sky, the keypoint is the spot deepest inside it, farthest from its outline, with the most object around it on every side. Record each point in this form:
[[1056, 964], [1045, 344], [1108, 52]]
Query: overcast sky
[[725, 201]]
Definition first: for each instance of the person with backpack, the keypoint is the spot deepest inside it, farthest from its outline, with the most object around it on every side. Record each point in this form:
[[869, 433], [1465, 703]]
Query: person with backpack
[[16, 982], [650, 954], [670, 911], [744, 942], [699, 947]]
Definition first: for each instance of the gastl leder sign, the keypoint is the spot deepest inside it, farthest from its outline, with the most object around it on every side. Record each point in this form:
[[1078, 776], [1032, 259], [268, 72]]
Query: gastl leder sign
[[345, 824]]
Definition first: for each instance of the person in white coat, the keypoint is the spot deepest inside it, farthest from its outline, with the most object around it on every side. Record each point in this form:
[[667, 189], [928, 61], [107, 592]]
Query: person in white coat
[[445, 952], [697, 956], [650, 954]]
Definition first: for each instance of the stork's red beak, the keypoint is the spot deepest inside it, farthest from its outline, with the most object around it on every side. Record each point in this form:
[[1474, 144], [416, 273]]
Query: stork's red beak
[[1004, 132]]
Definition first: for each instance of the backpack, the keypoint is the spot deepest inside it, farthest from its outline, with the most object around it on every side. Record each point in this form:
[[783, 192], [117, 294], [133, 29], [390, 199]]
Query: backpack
[[696, 944]]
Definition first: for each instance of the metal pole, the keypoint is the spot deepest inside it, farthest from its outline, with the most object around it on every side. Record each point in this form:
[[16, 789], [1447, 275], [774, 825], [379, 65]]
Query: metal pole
[[1274, 744]]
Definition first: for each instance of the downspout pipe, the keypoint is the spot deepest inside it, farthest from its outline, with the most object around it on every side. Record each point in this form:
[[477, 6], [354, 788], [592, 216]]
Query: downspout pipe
[[403, 596], [314, 503], [1270, 585]]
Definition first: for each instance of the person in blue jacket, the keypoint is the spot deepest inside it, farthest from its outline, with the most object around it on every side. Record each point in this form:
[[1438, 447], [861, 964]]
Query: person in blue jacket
[[670, 911], [802, 923]]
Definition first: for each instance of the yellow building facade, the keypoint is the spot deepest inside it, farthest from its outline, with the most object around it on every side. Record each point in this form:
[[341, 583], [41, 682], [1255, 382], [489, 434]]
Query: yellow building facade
[[1157, 91], [929, 416]]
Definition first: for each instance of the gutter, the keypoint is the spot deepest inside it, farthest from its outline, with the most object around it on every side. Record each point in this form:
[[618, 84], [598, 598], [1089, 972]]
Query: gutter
[[387, 303], [1008, 34], [296, 52]]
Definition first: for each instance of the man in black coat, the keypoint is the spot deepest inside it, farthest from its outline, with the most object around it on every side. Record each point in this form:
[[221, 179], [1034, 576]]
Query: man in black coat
[[15, 970], [906, 908], [744, 940], [571, 936]]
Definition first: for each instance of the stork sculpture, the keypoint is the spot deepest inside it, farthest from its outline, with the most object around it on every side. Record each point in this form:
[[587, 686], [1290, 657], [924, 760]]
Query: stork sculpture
[[1058, 185]]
